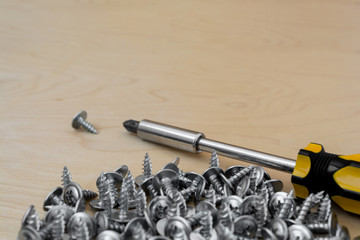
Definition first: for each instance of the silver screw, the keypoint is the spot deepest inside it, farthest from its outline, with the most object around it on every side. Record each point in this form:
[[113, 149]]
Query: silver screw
[[31, 218], [107, 192], [324, 209], [72, 192], [147, 170], [79, 120], [166, 181], [66, 176], [288, 208], [309, 202], [235, 179], [130, 183], [158, 207], [214, 160], [225, 216], [81, 226], [328, 228], [123, 215], [213, 177], [58, 228], [140, 202]]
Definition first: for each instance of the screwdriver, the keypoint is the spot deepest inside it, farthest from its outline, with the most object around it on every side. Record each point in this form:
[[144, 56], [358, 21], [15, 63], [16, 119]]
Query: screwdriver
[[314, 170]]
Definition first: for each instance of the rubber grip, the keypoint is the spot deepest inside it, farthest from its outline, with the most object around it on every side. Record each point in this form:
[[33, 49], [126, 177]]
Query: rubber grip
[[339, 176]]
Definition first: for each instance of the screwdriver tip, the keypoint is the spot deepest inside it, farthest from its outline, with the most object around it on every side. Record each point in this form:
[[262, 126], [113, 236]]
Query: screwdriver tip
[[131, 125]]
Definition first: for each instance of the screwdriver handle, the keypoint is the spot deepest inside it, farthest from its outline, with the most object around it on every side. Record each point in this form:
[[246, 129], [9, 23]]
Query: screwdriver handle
[[339, 176]]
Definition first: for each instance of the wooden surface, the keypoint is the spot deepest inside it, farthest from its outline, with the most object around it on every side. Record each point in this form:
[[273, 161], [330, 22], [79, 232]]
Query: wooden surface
[[267, 75]]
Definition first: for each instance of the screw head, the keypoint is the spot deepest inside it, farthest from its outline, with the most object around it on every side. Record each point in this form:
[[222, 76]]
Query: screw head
[[245, 226], [72, 193], [235, 204], [132, 226], [116, 177], [276, 202], [158, 207], [279, 228], [101, 221], [108, 235], [175, 224], [247, 207], [299, 231], [75, 220], [56, 192], [75, 122]]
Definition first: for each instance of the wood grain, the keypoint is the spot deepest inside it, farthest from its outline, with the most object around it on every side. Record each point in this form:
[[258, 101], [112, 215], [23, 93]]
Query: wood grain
[[269, 75]]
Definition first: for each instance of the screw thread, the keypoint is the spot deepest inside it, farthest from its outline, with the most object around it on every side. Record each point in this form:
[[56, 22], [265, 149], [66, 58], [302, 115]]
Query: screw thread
[[130, 183], [210, 196], [87, 126], [117, 227], [66, 176], [321, 228], [270, 189], [261, 212], [214, 160], [88, 194], [123, 201], [217, 184], [189, 190], [45, 231], [324, 209], [225, 215], [107, 189], [253, 179], [147, 166], [309, 202], [169, 189], [183, 177], [58, 201], [58, 226], [263, 192], [140, 202], [180, 203], [152, 191], [206, 223], [107, 204], [285, 208], [234, 180]]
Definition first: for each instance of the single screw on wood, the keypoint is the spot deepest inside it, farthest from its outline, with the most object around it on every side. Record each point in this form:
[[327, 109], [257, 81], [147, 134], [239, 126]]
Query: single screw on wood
[[80, 121]]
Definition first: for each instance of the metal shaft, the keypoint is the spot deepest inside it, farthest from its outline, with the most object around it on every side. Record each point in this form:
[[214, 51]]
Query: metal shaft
[[196, 142]]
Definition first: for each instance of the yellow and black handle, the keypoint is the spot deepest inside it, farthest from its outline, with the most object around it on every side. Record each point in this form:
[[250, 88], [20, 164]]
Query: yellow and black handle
[[339, 176]]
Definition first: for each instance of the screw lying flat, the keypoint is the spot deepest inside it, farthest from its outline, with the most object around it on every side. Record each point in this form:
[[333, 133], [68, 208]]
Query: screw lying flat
[[79, 120]]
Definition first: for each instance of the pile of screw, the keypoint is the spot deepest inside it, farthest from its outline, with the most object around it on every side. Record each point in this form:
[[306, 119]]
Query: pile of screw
[[239, 203]]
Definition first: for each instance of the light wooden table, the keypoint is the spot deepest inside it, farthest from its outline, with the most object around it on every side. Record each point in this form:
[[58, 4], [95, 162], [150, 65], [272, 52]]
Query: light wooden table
[[269, 75]]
